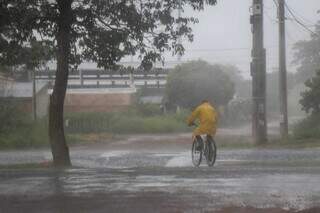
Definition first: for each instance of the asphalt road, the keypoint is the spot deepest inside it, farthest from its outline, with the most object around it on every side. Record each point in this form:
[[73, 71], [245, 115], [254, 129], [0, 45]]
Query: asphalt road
[[154, 174]]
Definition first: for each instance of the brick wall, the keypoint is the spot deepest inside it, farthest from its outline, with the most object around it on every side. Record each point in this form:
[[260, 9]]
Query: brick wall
[[97, 102]]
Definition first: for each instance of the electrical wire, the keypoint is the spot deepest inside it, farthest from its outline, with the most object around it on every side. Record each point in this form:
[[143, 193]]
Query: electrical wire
[[303, 19], [277, 5], [298, 21], [272, 21]]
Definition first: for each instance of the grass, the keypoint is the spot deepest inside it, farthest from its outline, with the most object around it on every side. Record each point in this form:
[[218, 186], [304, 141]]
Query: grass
[[245, 142], [129, 122], [29, 134], [144, 119], [93, 127]]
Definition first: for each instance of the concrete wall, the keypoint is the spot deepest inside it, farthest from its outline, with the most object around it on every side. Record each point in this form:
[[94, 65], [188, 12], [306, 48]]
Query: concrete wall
[[42, 102], [25, 103], [5, 85], [97, 102]]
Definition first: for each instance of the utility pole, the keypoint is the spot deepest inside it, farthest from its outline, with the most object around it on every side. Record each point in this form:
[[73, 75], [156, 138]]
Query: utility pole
[[258, 73], [179, 39], [282, 72]]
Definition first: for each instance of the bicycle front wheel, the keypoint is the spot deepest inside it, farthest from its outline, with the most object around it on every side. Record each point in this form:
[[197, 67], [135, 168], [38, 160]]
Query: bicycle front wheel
[[211, 154], [196, 153]]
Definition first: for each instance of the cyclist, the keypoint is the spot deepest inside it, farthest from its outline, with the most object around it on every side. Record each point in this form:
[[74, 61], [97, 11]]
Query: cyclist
[[207, 116]]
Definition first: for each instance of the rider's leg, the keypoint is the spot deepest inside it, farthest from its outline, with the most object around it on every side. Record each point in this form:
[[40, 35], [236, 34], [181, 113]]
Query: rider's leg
[[196, 136], [199, 142], [199, 139]]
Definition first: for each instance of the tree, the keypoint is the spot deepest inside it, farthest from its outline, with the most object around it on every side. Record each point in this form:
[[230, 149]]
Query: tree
[[96, 30], [273, 104], [190, 83], [310, 99], [307, 56]]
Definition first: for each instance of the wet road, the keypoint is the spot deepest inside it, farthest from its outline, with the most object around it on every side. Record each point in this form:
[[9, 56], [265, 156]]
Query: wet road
[[155, 174]]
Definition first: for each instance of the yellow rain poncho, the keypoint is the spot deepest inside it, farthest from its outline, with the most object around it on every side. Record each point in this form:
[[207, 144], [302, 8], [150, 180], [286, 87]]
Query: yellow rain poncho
[[208, 119]]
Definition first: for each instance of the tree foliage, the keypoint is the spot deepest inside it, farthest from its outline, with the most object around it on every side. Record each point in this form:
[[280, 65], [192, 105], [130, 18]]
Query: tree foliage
[[18, 43], [190, 83], [307, 56], [92, 30], [101, 31], [310, 99], [273, 100]]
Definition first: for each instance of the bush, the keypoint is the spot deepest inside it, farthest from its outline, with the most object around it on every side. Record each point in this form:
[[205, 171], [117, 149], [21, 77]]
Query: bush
[[308, 128], [136, 120], [29, 134], [155, 124], [145, 109], [11, 117], [310, 99], [87, 122], [18, 130]]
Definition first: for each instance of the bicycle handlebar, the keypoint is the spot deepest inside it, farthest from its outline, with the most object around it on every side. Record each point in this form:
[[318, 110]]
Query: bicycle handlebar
[[194, 124]]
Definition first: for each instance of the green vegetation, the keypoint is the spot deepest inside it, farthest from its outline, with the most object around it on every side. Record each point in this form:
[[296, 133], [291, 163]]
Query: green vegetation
[[190, 83], [103, 32], [308, 128], [307, 56], [273, 104], [245, 142], [29, 134], [310, 99], [138, 119], [17, 130]]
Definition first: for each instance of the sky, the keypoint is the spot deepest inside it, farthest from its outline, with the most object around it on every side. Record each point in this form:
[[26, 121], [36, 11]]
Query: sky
[[223, 34]]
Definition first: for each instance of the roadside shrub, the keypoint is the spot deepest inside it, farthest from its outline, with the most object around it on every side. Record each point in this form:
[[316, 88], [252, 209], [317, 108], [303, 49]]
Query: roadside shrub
[[156, 124], [126, 122], [87, 122], [11, 117], [145, 109], [308, 128], [26, 134]]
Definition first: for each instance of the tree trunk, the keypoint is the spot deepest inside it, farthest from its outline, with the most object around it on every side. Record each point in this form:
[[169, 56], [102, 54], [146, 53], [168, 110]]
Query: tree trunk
[[59, 148]]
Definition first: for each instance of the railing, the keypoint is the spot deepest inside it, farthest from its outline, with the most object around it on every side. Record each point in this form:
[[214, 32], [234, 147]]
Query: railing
[[155, 78]]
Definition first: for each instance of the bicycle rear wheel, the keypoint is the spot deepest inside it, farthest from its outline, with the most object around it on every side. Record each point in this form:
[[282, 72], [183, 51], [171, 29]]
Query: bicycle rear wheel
[[196, 153], [211, 151]]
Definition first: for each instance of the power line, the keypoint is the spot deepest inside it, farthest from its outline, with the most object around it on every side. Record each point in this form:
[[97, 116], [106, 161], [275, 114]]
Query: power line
[[309, 23], [298, 21], [273, 21], [229, 49], [276, 3], [295, 18]]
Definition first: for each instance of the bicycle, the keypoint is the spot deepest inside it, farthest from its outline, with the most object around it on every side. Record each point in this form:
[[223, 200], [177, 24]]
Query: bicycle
[[205, 147]]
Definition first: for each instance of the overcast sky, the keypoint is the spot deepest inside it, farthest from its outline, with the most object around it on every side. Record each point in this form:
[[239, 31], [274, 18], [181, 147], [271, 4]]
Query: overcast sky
[[224, 32]]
